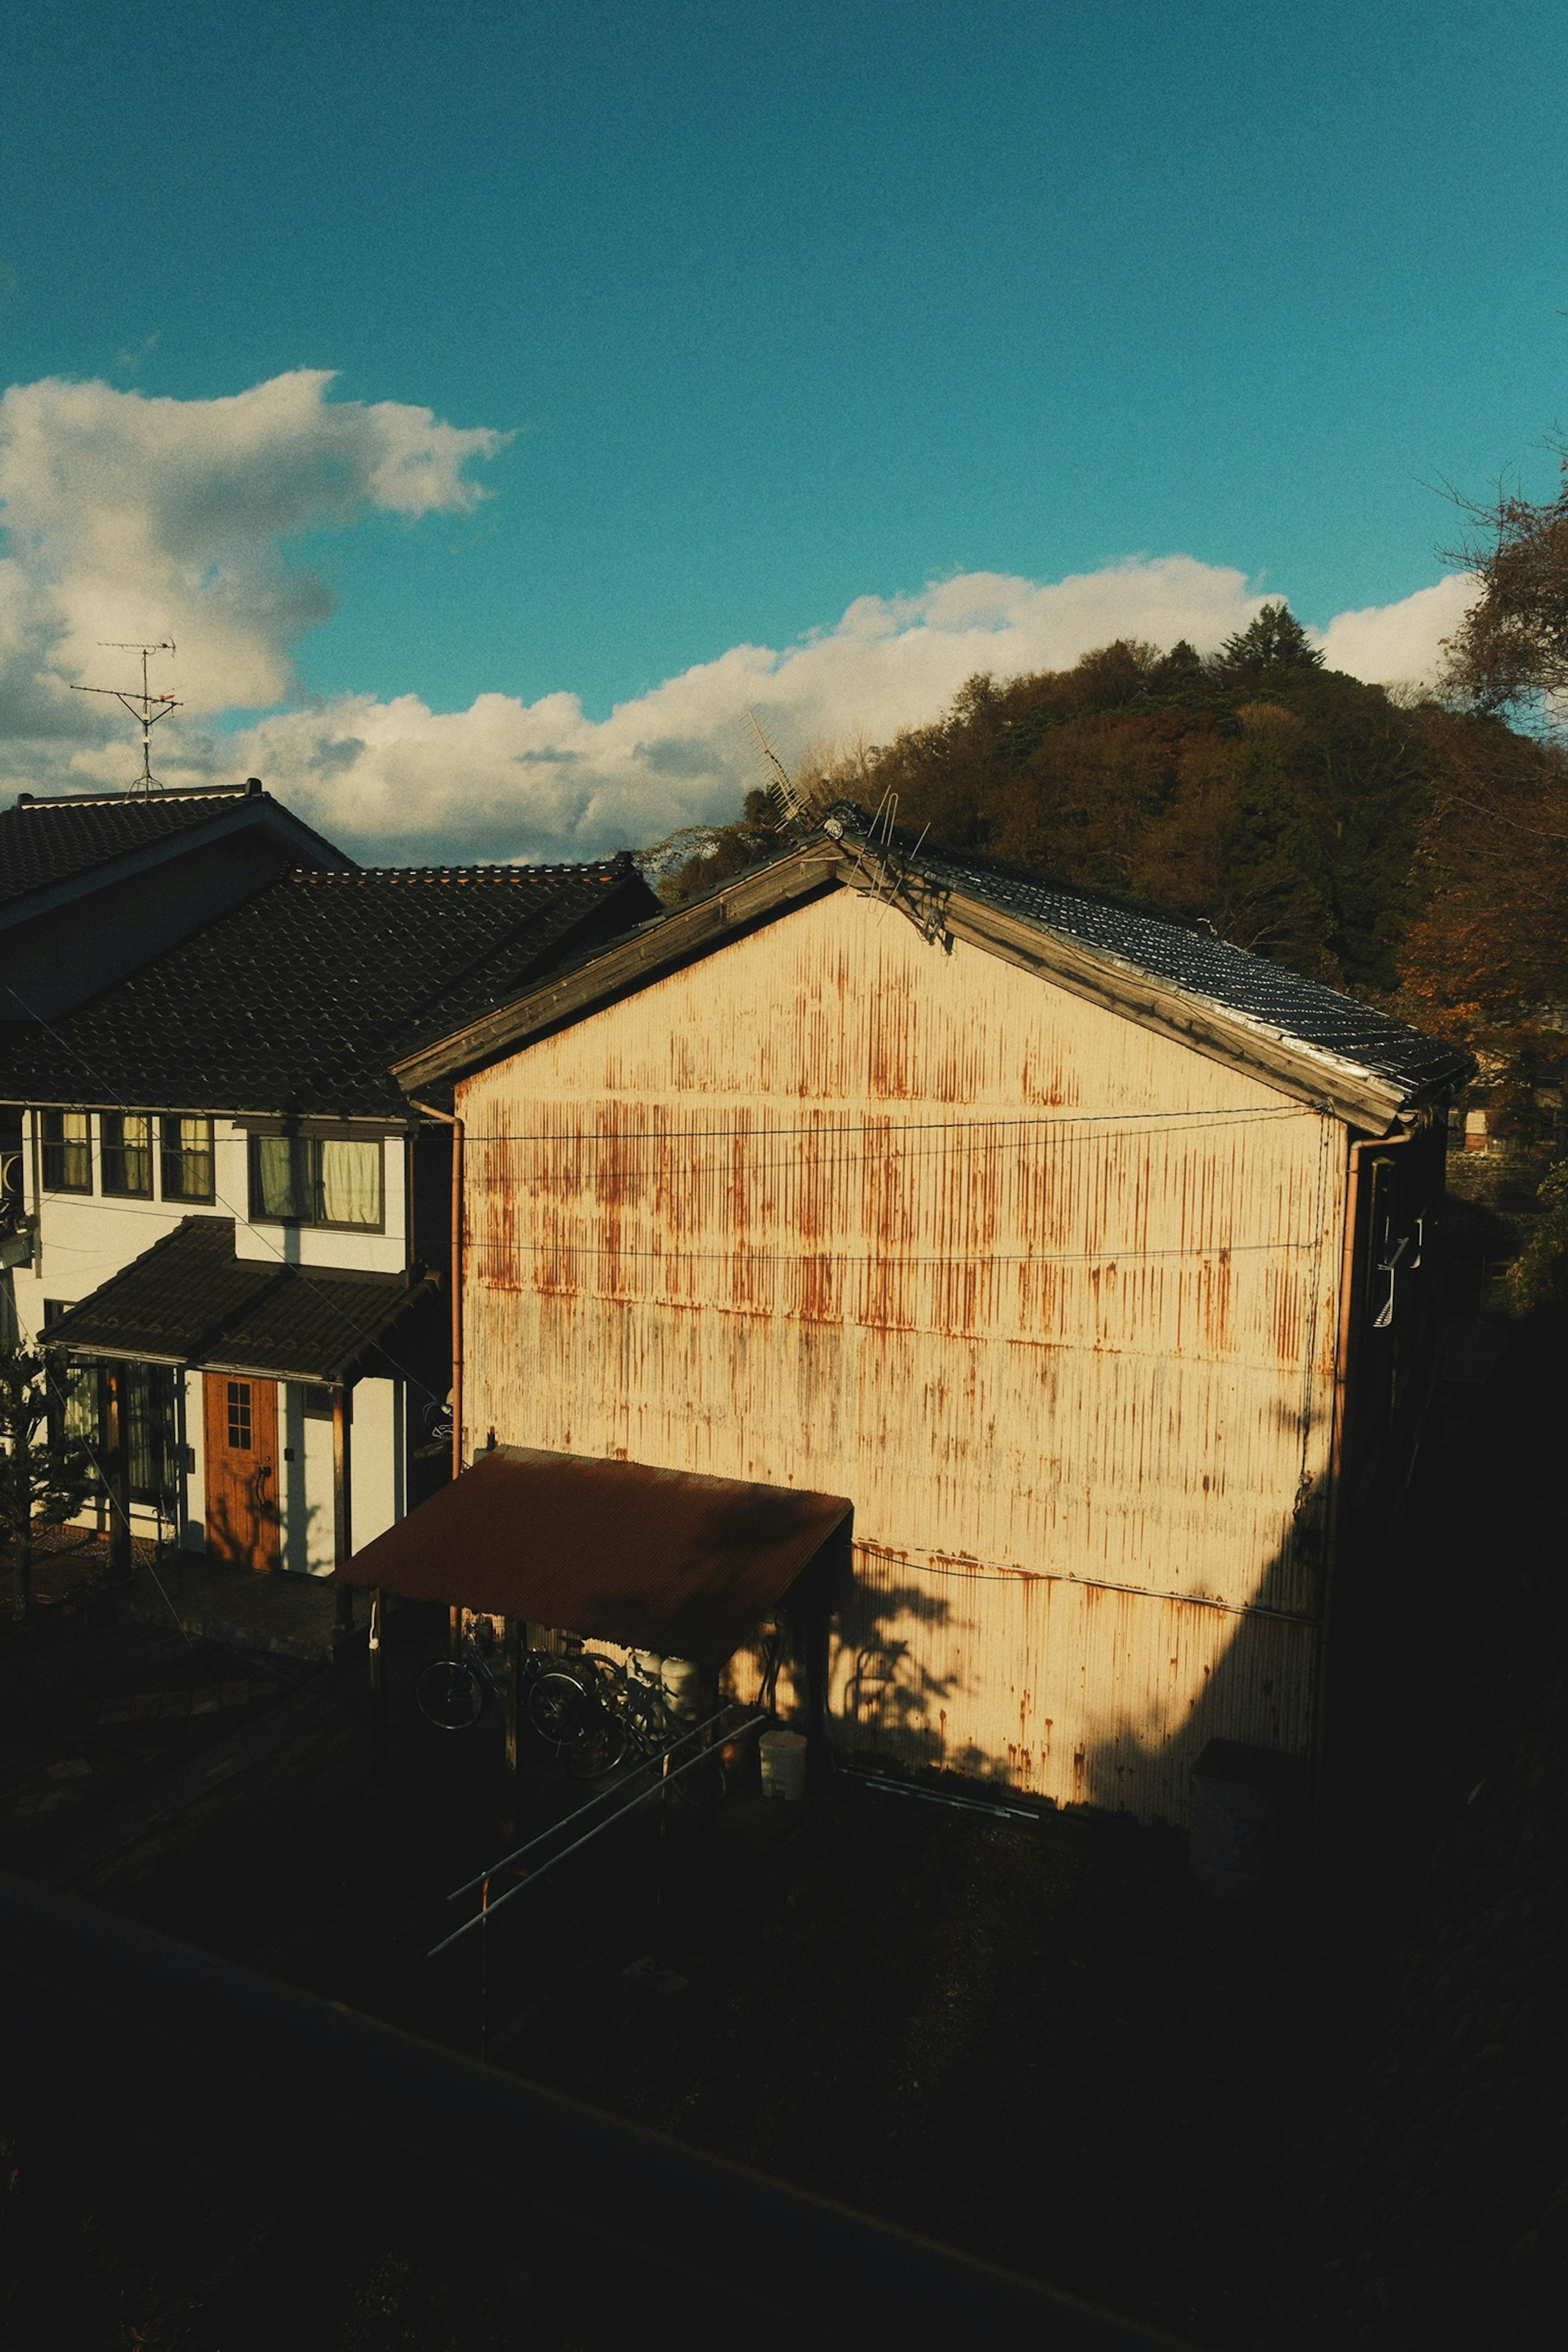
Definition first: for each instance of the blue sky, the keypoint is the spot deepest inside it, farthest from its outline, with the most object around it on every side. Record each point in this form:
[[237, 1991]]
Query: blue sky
[[788, 306]]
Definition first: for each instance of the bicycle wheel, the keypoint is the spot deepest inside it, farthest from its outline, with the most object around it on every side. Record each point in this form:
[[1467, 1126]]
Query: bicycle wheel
[[600, 1749], [560, 1708], [450, 1695]]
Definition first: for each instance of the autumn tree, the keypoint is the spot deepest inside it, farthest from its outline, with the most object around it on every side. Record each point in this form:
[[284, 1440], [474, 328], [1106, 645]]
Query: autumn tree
[[1511, 649]]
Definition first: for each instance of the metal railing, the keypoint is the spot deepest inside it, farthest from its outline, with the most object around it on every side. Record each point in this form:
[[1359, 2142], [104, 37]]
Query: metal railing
[[616, 2227]]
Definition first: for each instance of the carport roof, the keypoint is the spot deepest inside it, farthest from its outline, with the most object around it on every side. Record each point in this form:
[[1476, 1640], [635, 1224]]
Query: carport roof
[[617, 1551]]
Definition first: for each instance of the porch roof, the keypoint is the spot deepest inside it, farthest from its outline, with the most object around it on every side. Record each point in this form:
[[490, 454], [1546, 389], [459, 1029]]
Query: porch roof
[[190, 1299], [618, 1551]]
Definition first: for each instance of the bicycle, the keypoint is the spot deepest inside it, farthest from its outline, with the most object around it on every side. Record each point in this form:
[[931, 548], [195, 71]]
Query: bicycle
[[596, 1715], [457, 1693]]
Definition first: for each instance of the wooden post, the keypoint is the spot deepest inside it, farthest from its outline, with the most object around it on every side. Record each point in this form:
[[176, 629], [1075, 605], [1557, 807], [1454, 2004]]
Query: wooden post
[[118, 1449], [342, 1502]]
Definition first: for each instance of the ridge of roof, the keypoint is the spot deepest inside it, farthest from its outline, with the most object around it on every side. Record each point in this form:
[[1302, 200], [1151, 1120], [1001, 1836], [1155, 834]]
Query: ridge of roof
[[251, 789], [1170, 972], [51, 848]]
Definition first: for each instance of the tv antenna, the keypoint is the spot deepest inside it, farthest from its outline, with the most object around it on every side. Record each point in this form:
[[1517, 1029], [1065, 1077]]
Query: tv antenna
[[787, 802], [145, 707]]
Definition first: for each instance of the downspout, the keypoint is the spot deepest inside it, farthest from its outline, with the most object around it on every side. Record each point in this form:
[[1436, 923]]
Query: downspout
[[449, 1118], [342, 1499], [1343, 1346]]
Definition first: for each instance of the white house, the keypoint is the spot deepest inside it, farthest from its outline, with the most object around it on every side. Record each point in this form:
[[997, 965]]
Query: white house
[[236, 1226]]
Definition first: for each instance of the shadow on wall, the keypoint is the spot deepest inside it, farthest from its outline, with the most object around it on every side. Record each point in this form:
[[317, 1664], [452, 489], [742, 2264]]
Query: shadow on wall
[[1075, 1692]]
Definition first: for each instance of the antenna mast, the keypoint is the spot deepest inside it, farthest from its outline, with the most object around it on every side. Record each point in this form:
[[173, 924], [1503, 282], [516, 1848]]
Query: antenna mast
[[790, 808], [145, 707]]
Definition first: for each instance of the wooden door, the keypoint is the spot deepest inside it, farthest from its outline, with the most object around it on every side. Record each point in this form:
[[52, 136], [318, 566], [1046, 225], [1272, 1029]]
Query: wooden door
[[242, 1471]]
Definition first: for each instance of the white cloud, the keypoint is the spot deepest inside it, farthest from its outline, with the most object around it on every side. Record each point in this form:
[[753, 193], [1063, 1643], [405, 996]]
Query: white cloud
[[1399, 644], [131, 517]]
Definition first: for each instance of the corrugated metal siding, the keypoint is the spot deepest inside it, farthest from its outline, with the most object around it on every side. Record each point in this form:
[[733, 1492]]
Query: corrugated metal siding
[[1052, 1297]]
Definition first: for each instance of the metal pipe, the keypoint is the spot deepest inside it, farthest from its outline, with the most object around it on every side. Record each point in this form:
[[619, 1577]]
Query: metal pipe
[[936, 1796], [604, 1794], [456, 1124], [533, 1877]]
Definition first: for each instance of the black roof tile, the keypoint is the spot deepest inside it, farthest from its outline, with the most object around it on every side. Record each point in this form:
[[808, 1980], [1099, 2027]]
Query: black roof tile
[[189, 1299], [1191, 957], [301, 999], [47, 841]]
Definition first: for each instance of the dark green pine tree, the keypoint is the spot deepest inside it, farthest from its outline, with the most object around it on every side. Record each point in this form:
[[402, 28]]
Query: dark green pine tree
[[1275, 643]]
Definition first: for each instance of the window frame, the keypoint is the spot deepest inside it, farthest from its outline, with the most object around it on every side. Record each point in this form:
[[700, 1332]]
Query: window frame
[[305, 1152], [116, 1154], [54, 1149], [175, 1155]]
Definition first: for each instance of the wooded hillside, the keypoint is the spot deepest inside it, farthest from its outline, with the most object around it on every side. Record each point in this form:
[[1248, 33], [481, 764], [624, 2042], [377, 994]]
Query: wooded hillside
[[1404, 851]]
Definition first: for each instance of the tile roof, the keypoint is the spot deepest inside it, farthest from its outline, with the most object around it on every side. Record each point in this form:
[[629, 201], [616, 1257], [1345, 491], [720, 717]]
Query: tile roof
[[47, 842], [301, 999], [1191, 957], [189, 1299]]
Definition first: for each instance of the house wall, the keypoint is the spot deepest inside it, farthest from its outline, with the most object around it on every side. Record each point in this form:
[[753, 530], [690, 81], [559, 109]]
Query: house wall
[[83, 1239], [1053, 1297]]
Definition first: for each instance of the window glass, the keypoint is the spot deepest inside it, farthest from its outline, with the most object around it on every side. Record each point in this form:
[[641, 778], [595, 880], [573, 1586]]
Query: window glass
[[127, 1137], [187, 1159], [315, 1183], [279, 1177], [149, 1432], [240, 1416], [67, 1151], [351, 1183]]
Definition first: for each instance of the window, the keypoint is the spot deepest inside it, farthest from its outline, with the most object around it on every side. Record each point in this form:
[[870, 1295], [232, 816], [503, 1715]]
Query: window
[[149, 1433], [67, 1151], [240, 1416], [187, 1156], [309, 1181], [127, 1139], [77, 1417]]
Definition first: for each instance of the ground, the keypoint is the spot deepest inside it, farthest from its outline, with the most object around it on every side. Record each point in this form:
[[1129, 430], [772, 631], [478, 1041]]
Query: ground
[[1335, 2120]]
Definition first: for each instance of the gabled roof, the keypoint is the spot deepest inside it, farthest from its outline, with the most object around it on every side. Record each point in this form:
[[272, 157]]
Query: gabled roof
[[189, 1299], [47, 846], [299, 1000], [1159, 969]]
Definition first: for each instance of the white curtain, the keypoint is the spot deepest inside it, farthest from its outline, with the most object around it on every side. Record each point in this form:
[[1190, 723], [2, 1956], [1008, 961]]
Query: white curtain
[[275, 1160], [351, 1183]]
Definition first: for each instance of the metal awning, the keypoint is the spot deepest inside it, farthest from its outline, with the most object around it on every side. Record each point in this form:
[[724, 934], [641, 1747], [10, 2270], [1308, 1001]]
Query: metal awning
[[617, 1551]]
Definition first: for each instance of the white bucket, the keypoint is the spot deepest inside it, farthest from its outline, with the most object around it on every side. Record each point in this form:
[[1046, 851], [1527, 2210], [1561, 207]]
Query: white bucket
[[782, 1755], [681, 1679]]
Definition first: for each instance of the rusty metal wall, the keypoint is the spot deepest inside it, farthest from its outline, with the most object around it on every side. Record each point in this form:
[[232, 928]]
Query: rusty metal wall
[[1051, 1297]]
